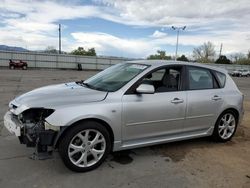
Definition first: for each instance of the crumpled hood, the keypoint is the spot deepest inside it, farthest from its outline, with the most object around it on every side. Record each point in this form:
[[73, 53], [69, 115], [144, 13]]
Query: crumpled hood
[[59, 95]]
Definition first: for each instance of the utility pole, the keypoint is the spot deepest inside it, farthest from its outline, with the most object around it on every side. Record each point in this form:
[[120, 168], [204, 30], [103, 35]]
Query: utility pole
[[220, 48], [60, 47], [177, 40]]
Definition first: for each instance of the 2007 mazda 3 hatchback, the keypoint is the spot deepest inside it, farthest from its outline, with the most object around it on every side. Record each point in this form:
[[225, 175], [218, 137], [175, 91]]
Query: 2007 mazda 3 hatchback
[[128, 105]]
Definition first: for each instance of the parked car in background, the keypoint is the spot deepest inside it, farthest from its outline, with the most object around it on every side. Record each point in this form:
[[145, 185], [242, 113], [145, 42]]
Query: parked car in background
[[20, 65], [241, 73], [129, 105], [244, 72], [236, 73]]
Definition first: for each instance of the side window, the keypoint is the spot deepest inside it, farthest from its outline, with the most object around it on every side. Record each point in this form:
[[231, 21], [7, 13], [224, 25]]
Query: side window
[[158, 75], [154, 77], [199, 78], [164, 80], [221, 78]]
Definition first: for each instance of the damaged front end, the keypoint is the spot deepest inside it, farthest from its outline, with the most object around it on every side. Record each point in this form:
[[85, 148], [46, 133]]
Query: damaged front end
[[32, 129]]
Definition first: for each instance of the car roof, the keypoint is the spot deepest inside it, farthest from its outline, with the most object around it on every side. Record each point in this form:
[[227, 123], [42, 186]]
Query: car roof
[[158, 63]]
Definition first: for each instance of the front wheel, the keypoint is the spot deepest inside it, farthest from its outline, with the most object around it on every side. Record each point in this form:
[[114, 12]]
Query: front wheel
[[85, 146], [225, 126]]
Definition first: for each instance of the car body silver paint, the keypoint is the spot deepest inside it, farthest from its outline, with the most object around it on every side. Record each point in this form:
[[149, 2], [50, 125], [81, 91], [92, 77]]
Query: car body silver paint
[[138, 120], [54, 96]]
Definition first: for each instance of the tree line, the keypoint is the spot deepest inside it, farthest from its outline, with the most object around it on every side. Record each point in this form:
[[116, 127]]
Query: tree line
[[78, 51], [205, 53]]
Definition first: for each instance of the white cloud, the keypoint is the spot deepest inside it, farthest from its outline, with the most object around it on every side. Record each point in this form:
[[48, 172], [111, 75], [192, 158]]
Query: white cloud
[[104, 42], [142, 47], [222, 21], [158, 34], [34, 23], [185, 12]]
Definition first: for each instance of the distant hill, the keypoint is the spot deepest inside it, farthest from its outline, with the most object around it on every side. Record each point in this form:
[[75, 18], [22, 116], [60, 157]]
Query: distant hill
[[13, 48]]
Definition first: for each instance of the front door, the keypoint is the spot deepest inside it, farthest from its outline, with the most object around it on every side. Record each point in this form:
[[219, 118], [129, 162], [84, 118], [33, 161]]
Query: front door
[[149, 116]]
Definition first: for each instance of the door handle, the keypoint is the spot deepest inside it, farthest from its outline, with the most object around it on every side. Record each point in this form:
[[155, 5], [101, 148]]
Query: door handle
[[216, 98], [177, 100]]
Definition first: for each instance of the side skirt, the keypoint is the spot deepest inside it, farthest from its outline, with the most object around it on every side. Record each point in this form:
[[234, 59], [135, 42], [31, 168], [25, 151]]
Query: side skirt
[[161, 139]]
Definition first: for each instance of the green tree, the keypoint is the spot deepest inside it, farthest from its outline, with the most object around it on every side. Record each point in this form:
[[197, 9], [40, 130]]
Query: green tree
[[51, 50], [91, 52], [222, 60], [240, 58], [204, 53], [182, 58], [83, 52], [243, 61], [160, 55]]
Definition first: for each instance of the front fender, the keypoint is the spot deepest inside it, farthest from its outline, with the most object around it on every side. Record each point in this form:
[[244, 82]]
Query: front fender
[[109, 113]]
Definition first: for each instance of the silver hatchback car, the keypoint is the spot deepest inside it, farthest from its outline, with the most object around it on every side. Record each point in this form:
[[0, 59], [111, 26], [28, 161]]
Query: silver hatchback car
[[128, 105]]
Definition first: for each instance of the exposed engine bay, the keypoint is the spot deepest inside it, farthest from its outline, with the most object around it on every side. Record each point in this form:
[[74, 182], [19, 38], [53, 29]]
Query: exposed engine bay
[[35, 131]]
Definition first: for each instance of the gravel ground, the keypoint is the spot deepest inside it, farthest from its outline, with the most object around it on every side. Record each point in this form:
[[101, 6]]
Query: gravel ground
[[193, 163]]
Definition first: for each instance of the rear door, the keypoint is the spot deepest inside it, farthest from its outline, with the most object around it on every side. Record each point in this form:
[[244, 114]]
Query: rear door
[[204, 100]]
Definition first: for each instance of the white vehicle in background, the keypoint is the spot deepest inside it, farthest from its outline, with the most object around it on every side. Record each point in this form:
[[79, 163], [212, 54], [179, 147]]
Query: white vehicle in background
[[244, 72], [235, 73], [241, 73]]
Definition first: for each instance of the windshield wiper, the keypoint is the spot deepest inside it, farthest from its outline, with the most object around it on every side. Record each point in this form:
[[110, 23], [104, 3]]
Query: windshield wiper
[[86, 84], [89, 85]]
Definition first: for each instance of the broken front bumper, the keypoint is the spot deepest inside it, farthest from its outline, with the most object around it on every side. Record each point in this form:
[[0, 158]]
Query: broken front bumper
[[28, 136], [12, 124]]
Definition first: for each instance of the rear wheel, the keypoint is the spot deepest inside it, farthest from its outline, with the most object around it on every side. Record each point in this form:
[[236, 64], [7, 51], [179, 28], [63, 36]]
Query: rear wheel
[[85, 146], [12, 67], [25, 67], [225, 126]]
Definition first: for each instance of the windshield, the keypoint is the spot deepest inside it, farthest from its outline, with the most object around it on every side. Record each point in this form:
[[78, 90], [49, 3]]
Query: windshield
[[115, 77]]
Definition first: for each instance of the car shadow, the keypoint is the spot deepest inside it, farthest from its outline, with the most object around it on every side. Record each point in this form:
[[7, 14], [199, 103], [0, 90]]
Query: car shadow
[[173, 151]]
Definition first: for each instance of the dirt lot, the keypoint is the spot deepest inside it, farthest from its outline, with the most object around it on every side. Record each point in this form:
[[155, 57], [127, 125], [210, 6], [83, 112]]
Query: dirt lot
[[194, 163]]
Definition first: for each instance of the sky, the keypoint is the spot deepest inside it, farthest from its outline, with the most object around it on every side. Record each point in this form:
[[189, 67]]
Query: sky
[[126, 28]]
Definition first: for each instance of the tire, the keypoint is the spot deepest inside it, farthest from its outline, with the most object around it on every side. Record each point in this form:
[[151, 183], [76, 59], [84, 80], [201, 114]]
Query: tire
[[74, 142], [25, 67], [12, 67], [222, 127]]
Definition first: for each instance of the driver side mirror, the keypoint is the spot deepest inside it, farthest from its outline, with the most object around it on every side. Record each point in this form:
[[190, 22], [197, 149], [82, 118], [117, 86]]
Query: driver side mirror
[[145, 89]]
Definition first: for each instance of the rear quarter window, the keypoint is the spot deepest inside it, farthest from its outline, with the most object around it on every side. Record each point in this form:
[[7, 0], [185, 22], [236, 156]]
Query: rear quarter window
[[221, 78]]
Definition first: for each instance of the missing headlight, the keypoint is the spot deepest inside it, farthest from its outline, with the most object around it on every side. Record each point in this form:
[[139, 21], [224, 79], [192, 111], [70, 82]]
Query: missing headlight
[[34, 133], [35, 115]]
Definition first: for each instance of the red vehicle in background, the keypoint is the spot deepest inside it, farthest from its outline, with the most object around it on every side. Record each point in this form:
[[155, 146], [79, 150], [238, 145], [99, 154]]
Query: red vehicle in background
[[21, 64]]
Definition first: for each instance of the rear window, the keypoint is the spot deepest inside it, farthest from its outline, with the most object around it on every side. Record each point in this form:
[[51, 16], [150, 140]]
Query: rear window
[[221, 78], [200, 78]]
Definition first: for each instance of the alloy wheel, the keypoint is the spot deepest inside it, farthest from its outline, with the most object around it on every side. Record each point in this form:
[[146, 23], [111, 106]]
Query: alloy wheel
[[86, 148], [227, 126]]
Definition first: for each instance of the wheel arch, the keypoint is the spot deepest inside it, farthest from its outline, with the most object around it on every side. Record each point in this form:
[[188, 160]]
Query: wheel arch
[[234, 110], [63, 131], [215, 135]]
